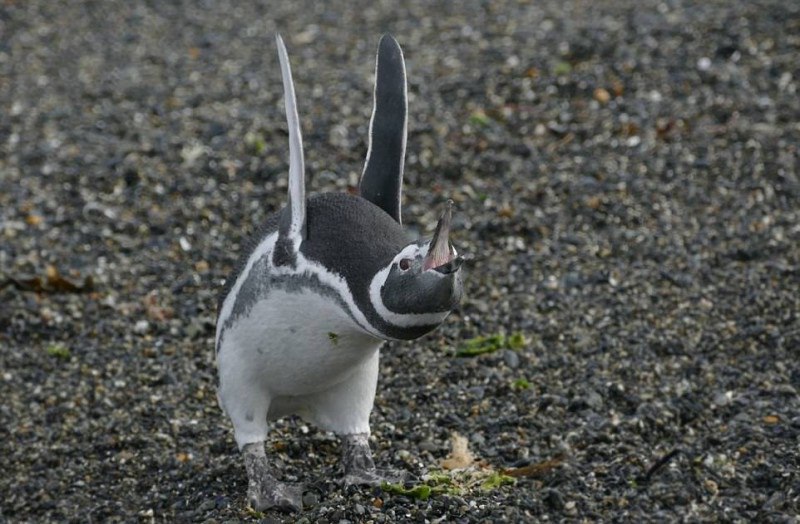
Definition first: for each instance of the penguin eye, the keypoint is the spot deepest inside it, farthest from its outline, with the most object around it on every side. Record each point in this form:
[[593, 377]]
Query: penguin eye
[[405, 264]]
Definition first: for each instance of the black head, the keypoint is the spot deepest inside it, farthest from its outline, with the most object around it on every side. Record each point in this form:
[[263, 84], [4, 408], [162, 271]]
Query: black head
[[404, 289], [421, 285], [425, 277]]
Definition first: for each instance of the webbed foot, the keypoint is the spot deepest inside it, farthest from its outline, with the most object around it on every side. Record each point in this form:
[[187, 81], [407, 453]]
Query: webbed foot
[[264, 491], [275, 495], [359, 468], [374, 477]]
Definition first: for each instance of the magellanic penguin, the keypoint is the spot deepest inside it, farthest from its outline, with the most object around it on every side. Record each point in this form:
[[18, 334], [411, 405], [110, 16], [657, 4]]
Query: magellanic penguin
[[327, 280]]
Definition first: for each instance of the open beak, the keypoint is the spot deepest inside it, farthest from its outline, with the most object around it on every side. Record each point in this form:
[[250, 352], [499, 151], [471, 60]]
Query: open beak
[[441, 256]]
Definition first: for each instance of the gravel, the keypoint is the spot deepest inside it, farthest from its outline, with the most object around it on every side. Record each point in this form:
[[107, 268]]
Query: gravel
[[626, 179]]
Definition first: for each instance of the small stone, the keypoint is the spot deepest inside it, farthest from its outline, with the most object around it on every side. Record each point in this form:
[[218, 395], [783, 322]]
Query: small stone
[[554, 499], [786, 389], [310, 499], [775, 502], [578, 404], [723, 399], [511, 358], [711, 486], [602, 95], [571, 280], [594, 400], [141, 327], [557, 129], [547, 400], [428, 445], [207, 505], [477, 438], [551, 282], [194, 329], [359, 509], [477, 391]]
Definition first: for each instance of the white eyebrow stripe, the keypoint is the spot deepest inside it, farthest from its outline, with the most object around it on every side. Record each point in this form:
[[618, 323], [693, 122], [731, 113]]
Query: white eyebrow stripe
[[401, 319]]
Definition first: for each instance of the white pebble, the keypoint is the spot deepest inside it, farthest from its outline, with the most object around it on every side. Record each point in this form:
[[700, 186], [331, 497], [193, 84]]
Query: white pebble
[[141, 327]]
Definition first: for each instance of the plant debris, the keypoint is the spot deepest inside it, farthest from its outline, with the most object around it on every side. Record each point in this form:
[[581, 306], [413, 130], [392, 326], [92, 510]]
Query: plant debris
[[660, 463], [521, 383], [496, 480], [538, 470], [489, 344], [53, 282], [462, 482], [418, 491], [460, 456], [58, 351], [461, 474]]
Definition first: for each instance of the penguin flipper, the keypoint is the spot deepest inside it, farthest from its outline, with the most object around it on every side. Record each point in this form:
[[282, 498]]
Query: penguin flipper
[[382, 178], [292, 227]]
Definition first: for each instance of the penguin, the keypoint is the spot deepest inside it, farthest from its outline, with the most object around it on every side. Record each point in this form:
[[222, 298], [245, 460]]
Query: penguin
[[320, 287]]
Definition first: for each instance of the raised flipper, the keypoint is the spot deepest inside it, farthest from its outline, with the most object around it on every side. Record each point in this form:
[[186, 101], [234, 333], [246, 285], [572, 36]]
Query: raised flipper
[[292, 226], [382, 179]]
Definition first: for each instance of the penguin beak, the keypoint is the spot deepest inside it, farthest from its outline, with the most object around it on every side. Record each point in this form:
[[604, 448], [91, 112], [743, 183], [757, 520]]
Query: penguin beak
[[441, 255]]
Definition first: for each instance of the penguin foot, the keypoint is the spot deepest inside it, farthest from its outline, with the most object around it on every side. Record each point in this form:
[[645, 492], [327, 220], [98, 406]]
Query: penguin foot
[[359, 468], [374, 477], [264, 491], [272, 494]]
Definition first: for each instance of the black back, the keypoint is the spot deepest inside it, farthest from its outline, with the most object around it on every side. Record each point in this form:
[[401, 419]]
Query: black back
[[352, 237]]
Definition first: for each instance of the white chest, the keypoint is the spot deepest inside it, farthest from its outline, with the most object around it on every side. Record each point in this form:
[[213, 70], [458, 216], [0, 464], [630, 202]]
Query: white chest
[[296, 343]]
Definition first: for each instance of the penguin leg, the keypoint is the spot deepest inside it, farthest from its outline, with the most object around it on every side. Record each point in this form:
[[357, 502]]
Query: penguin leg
[[345, 409], [247, 405]]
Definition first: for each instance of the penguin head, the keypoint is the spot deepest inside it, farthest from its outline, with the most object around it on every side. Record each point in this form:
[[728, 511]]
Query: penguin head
[[422, 284]]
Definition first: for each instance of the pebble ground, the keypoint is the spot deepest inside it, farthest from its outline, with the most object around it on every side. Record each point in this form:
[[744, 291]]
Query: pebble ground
[[626, 179]]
